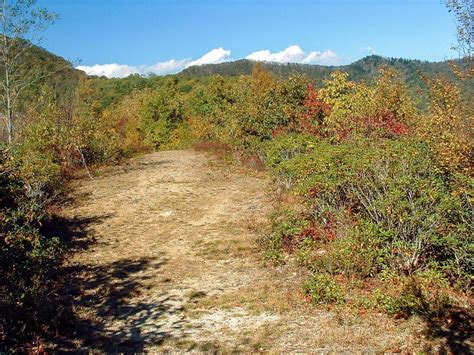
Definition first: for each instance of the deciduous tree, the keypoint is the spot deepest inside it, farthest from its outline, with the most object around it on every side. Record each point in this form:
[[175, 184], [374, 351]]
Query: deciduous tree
[[22, 24]]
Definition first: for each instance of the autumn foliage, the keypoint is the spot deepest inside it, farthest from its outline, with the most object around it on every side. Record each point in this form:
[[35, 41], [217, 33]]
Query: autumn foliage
[[381, 189], [311, 120]]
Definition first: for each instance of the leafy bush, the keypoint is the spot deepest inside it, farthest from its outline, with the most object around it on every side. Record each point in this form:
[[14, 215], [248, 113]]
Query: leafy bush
[[88, 134], [449, 127], [212, 101], [395, 187], [32, 175], [424, 293], [358, 253], [323, 288], [378, 206], [162, 113], [286, 223], [286, 147], [28, 259], [385, 109], [126, 119]]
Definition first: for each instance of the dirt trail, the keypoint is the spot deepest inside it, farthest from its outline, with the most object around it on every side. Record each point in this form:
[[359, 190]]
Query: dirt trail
[[174, 266]]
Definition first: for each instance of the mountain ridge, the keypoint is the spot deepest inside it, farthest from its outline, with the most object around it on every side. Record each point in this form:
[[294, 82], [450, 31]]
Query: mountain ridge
[[358, 70]]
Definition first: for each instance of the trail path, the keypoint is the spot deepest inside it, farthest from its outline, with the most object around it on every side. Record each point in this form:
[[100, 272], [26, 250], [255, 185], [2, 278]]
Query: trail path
[[171, 263]]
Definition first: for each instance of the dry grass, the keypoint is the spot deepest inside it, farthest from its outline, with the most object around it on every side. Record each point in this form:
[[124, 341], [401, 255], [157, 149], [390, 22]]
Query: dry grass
[[264, 297], [217, 249], [175, 266]]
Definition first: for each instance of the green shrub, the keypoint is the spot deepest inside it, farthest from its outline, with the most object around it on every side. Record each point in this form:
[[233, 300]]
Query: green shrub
[[286, 223], [395, 187], [34, 168], [359, 253], [323, 289], [162, 112], [376, 209], [422, 294], [28, 259], [287, 147]]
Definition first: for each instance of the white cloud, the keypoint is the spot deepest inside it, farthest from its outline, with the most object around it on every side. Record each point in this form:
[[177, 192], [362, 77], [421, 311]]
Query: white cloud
[[162, 68], [217, 55], [110, 70], [294, 54]]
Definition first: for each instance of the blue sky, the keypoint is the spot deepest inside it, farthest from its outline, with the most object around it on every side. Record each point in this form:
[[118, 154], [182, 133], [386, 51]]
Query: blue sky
[[165, 36]]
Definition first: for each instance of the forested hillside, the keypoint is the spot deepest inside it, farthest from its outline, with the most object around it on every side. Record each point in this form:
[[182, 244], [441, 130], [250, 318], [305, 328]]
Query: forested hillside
[[42, 63], [46, 69], [364, 69]]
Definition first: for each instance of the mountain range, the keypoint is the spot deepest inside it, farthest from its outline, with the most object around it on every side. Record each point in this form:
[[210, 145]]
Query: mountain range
[[412, 71]]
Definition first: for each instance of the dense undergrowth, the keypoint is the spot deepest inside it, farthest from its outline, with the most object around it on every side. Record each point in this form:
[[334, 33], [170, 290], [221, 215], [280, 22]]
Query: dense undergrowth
[[382, 208], [381, 192]]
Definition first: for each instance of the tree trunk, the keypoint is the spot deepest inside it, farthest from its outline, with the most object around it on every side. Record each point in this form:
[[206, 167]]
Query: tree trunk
[[9, 119], [6, 85]]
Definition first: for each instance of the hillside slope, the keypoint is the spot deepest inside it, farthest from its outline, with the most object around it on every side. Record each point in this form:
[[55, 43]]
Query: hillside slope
[[45, 69], [413, 72], [363, 69]]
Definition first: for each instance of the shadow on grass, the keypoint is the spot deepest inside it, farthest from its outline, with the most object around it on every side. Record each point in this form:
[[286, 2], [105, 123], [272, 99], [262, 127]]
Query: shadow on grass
[[74, 233], [101, 306], [108, 312], [455, 328]]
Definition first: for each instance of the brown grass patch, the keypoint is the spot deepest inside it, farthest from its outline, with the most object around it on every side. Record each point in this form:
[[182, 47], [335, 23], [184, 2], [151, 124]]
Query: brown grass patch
[[219, 248]]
